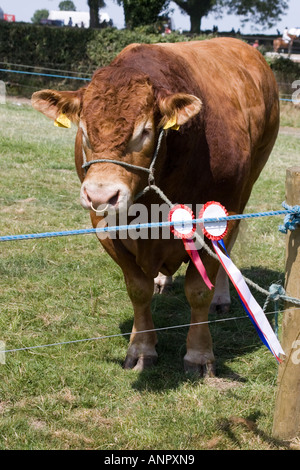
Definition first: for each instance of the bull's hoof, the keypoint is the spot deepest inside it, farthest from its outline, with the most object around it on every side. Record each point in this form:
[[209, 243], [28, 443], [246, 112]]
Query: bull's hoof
[[201, 370], [140, 363], [219, 308]]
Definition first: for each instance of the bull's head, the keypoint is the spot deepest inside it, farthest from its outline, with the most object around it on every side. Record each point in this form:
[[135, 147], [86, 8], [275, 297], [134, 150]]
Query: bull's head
[[118, 116]]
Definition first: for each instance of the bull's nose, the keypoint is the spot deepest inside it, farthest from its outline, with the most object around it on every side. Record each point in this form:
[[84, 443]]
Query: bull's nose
[[99, 198], [102, 197]]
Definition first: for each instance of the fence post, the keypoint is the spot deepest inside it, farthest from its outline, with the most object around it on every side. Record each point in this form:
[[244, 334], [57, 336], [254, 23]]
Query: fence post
[[286, 422]]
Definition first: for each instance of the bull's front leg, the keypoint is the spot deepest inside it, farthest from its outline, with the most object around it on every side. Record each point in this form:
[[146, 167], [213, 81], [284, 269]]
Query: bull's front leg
[[141, 352], [199, 357]]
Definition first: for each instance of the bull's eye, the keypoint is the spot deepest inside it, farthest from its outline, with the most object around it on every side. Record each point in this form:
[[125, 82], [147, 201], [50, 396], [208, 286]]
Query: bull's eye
[[146, 133], [140, 137]]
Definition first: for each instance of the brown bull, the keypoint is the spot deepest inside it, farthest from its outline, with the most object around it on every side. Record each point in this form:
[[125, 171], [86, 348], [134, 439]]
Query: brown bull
[[224, 97]]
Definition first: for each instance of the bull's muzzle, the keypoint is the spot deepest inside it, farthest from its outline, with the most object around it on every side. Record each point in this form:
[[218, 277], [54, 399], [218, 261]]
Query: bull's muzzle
[[105, 197]]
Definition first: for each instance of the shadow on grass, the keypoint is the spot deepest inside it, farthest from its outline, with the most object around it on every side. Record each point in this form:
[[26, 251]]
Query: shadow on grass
[[233, 333], [229, 426]]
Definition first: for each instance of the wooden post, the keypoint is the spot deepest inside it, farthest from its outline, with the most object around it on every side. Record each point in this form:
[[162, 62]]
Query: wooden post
[[286, 423]]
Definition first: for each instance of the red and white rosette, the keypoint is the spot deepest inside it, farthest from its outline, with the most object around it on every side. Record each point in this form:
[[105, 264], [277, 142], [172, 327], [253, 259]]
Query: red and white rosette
[[215, 231], [184, 227], [183, 220]]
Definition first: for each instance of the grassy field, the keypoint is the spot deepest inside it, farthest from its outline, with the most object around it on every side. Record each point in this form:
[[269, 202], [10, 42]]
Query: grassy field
[[77, 396]]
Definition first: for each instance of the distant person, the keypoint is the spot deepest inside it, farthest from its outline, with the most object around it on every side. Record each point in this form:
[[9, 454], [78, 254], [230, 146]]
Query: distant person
[[256, 44], [286, 38], [70, 22]]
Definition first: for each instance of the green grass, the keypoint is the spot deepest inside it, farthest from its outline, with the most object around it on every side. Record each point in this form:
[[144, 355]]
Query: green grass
[[290, 115], [78, 396]]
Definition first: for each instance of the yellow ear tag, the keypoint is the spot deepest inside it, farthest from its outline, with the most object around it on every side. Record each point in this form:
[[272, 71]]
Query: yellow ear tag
[[171, 124], [62, 121]]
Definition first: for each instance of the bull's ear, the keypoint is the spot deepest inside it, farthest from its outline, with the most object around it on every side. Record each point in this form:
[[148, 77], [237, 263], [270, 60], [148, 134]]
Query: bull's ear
[[56, 103], [178, 108]]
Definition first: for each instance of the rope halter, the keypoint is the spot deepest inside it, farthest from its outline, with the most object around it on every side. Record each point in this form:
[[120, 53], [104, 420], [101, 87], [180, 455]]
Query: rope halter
[[149, 170]]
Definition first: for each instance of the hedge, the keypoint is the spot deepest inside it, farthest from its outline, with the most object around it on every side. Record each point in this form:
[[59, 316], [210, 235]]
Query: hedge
[[107, 43], [69, 49], [43, 45]]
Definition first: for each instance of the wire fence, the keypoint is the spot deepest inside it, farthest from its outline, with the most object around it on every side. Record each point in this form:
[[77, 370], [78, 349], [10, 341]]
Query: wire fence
[[118, 335], [75, 76], [276, 292]]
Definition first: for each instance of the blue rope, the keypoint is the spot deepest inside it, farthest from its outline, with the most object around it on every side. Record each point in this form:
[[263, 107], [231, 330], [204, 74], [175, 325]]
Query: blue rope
[[291, 220], [288, 99], [44, 74], [288, 210]]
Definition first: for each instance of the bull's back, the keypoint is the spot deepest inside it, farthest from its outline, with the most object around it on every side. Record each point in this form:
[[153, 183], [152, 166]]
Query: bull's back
[[240, 97], [222, 58], [229, 69], [233, 80]]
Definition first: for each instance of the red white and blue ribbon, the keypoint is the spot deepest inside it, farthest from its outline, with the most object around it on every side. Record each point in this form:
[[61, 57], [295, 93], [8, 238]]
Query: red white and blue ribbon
[[184, 228], [252, 308]]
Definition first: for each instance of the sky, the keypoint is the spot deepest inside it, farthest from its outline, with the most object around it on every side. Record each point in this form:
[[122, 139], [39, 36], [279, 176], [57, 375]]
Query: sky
[[24, 10]]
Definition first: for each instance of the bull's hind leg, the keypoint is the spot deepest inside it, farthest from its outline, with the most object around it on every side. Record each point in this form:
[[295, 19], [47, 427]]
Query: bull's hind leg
[[141, 352], [221, 300], [199, 357]]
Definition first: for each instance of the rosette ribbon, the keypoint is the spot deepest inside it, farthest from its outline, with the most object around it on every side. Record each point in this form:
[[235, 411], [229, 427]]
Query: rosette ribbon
[[184, 228], [216, 231]]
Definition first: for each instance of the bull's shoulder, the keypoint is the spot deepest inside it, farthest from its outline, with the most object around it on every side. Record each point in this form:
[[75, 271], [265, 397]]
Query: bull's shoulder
[[128, 48]]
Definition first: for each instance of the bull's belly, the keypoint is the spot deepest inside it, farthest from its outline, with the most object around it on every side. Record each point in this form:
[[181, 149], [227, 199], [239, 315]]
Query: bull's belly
[[157, 256]]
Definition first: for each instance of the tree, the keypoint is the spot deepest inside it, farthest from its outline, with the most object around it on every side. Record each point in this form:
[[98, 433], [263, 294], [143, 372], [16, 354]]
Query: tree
[[196, 9], [263, 12], [39, 15], [142, 12], [94, 6], [67, 5]]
